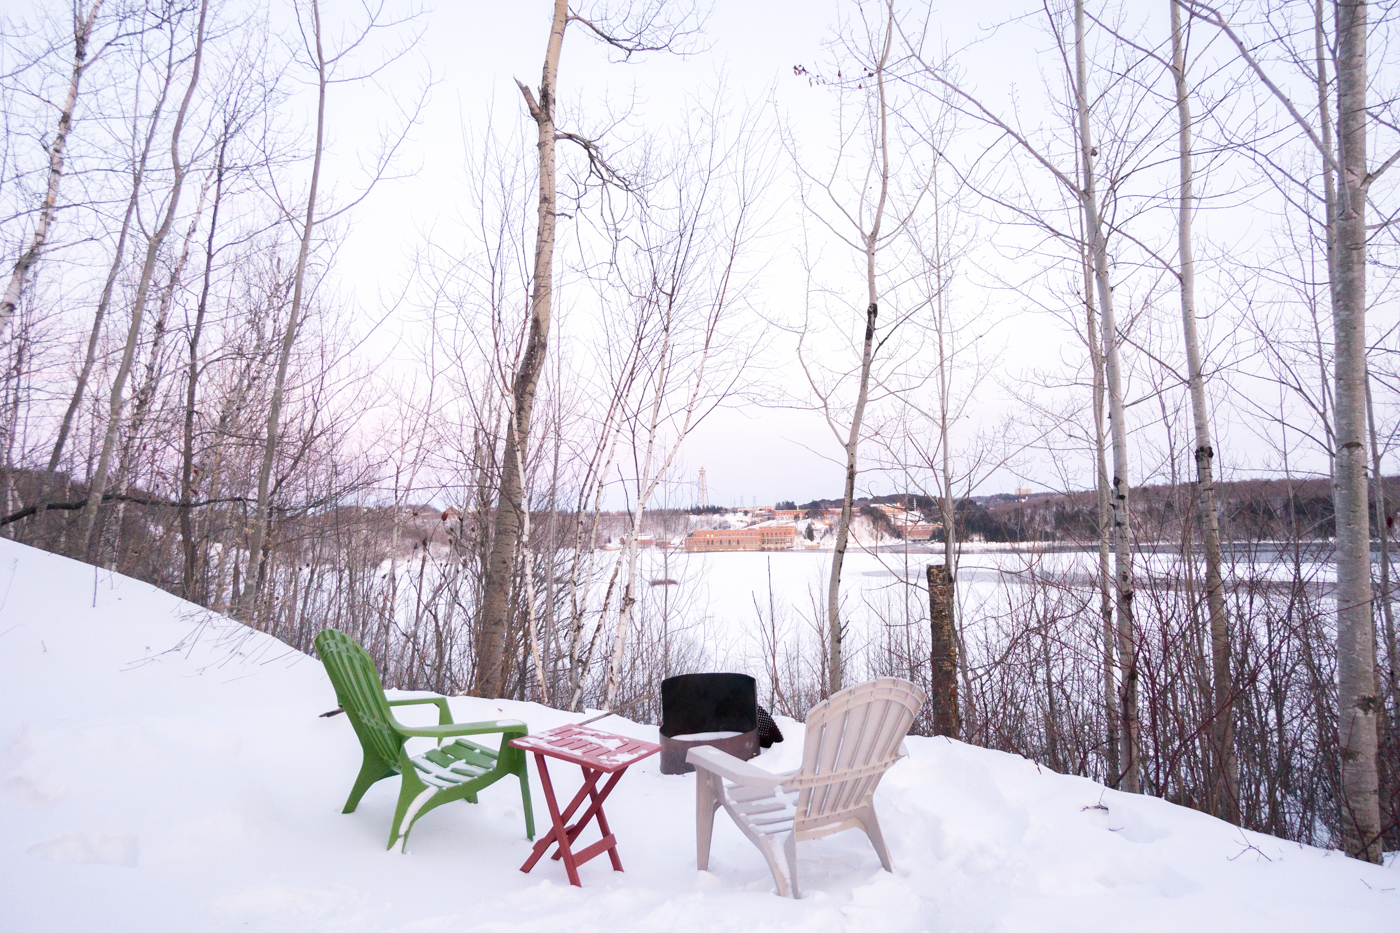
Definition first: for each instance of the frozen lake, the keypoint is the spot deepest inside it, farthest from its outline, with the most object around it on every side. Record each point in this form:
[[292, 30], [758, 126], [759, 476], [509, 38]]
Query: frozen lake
[[734, 603]]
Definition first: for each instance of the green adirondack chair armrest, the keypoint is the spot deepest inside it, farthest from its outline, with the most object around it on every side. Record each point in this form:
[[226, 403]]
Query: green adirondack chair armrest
[[444, 714], [451, 730]]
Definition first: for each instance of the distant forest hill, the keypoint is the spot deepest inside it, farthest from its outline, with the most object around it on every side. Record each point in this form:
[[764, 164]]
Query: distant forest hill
[[1256, 509]]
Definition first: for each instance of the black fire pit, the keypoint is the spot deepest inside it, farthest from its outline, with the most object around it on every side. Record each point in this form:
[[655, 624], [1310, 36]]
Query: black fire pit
[[707, 709]]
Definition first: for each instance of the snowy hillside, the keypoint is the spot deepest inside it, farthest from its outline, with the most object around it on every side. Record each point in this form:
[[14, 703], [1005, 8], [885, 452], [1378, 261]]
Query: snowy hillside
[[165, 771]]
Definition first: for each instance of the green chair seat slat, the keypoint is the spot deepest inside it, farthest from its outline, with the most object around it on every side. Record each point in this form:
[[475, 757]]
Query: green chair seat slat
[[434, 773], [449, 755], [472, 753], [438, 757]]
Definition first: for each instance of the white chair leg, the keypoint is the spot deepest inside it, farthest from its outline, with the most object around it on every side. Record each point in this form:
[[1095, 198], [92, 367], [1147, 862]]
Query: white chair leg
[[767, 845], [775, 865], [790, 848], [706, 802], [871, 825]]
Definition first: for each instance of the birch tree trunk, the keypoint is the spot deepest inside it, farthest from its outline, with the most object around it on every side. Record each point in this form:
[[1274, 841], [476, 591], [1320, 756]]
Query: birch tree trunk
[[1345, 184], [672, 285], [949, 579], [835, 630], [1358, 704], [527, 572], [97, 484], [82, 33], [648, 480], [495, 609], [1113, 755], [1118, 499], [1224, 781]]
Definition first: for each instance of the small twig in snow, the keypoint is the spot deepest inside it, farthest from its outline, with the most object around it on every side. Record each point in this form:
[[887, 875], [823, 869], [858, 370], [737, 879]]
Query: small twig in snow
[[1247, 846]]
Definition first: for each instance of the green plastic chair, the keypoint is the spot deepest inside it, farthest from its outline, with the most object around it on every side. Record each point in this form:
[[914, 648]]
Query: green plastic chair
[[441, 775]]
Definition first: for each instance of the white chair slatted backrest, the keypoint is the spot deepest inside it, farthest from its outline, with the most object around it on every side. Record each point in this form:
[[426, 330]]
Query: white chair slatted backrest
[[852, 739]]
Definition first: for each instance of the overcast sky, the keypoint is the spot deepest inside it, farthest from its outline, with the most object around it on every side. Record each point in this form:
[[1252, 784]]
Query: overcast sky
[[757, 452], [475, 51]]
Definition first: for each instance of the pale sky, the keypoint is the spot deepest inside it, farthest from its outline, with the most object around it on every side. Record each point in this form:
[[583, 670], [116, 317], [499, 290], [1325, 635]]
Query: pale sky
[[755, 454]]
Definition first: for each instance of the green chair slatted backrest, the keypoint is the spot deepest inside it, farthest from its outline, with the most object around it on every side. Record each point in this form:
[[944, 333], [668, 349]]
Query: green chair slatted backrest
[[361, 694], [455, 771]]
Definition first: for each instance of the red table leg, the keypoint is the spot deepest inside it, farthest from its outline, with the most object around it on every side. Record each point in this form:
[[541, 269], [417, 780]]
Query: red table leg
[[595, 810], [563, 834]]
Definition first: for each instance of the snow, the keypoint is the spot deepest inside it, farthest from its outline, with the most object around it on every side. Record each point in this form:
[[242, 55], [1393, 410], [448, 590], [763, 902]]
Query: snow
[[162, 769], [705, 736]]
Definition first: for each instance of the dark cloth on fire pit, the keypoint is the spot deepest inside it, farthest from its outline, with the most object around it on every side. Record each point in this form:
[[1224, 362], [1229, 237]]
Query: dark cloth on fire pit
[[768, 731]]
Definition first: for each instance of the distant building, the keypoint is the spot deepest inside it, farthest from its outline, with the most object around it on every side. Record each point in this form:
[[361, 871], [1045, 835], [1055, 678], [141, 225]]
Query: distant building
[[1023, 491], [766, 538], [923, 531]]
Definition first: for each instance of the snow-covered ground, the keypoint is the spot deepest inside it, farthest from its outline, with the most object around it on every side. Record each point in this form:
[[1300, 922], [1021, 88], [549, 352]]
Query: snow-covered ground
[[162, 770]]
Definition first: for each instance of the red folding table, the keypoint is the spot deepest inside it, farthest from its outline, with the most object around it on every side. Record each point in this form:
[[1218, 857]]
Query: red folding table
[[597, 753]]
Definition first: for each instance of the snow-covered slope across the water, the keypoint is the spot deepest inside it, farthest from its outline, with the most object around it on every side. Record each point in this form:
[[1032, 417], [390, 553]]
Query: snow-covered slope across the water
[[164, 771]]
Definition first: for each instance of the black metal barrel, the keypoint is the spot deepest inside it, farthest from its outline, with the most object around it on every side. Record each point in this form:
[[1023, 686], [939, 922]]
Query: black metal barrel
[[707, 709]]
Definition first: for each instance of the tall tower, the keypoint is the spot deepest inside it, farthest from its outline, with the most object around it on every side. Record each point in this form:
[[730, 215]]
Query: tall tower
[[703, 502]]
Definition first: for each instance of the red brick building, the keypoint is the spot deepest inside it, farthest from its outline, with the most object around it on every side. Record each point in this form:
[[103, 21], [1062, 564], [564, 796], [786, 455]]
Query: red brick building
[[762, 538], [922, 531]]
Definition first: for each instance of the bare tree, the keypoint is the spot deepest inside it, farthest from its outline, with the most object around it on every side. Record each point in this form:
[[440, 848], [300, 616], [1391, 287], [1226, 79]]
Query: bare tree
[[83, 24], [687, 284], [1082, 184], [98, 483], [138, 178], [1225, 802], [324, 63], [642, 28], [858, 220], [1347, 180]]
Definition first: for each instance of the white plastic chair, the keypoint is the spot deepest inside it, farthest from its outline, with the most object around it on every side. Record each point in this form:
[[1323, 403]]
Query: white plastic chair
[[853, 738]]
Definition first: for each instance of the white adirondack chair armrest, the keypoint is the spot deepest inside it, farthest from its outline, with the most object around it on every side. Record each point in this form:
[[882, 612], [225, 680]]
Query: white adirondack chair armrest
[[726, 765]]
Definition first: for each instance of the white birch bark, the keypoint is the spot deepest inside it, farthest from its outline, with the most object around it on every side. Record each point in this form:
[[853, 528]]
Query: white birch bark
[[1345, 185], [870, 241], [1358, 704], [104, 302], [1118, 498], [82, 33], [1113, 750], [1224, 782]]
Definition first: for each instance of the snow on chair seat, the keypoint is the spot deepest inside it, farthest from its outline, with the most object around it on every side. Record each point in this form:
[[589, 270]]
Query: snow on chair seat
[[449, 765], [455, 771], [853, 738]]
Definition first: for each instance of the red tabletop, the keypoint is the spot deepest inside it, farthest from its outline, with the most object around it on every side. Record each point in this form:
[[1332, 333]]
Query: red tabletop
[[591, 748]]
